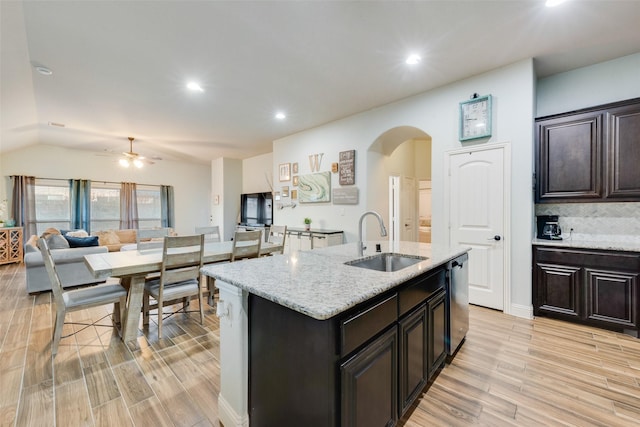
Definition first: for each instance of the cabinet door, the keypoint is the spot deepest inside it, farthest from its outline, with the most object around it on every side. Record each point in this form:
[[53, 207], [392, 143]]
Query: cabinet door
[[623, 173], [557, 290], [437, 331], [612, 297], [569, 152], [369, 383], [320, 241], [413, 355]]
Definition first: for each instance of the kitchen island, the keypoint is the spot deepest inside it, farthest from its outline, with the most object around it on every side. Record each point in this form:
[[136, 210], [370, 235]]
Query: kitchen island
[[309, 340]]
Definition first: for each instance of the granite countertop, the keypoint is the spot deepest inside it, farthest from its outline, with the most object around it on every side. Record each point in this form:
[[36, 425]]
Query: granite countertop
[[594, 241], [318, 283]]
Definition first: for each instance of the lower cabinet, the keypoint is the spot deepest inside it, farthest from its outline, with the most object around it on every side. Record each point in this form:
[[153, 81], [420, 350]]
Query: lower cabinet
[[437, 332], [370, 384], [596, 287], [413, 343]]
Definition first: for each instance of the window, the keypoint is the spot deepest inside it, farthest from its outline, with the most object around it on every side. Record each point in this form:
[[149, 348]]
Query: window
[[105, 206], [53, 205], [149, 206]]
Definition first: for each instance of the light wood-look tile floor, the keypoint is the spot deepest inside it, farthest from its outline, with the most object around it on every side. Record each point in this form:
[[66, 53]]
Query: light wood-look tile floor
[[509, 372]]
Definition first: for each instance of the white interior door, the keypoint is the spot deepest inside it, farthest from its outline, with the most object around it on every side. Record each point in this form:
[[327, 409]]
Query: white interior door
[[408, 207], [477, 203]]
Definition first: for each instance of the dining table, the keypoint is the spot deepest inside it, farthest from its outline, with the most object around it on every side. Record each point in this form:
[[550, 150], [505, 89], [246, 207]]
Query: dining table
[[133, 266]]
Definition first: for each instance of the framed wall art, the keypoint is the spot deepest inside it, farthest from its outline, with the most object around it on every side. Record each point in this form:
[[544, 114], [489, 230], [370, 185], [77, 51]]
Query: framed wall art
[[284, 171], [314, 188], [347, 167]]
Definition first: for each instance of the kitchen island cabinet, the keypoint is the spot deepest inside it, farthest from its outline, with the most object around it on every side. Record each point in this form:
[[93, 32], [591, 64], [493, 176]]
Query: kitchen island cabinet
[[321, 341]]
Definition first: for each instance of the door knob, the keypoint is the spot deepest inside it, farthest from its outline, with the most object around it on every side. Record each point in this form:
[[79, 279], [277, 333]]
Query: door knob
[[496, 238]]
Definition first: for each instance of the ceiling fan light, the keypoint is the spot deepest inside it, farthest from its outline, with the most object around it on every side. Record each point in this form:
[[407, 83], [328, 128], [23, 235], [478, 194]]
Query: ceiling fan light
[[124, 162], [138, 163]]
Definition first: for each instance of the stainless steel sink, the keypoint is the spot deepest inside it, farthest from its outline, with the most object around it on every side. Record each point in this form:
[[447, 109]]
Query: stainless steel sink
[[386, 262]]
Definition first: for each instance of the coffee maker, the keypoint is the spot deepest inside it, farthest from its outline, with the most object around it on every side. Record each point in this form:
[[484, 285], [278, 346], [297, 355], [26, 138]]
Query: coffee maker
[[548, 227]]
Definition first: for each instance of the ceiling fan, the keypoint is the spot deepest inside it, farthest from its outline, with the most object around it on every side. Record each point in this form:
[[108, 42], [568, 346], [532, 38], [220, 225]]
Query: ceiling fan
[[130, 157]]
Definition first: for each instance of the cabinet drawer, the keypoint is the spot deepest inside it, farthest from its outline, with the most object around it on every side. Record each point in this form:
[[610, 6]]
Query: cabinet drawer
[[417, 292], [362, 326], [604, 259]]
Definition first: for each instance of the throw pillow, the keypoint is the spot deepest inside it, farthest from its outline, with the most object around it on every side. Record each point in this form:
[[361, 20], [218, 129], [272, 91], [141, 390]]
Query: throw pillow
[[56, 241], [50, 231], [81, 242], [77, 233], [109, 237], [32, 244]]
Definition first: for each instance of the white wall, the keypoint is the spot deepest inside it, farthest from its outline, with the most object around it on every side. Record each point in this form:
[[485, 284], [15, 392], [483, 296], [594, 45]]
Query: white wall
[[226, 184], [610, 81], [257, 174], [191, 182], [436, 114]]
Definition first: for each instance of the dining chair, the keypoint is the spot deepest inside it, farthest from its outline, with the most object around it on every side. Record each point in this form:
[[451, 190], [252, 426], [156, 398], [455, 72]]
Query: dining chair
[[149, 238], [179, 278], [78, 299], [246, 244], [211, 233], [278, 235]]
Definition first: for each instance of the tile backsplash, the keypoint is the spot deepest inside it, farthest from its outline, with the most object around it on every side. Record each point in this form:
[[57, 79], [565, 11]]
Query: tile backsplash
[[619, 221]]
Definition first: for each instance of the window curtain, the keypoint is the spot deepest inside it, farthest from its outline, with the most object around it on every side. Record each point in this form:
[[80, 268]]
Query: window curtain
[[80, 191], [167, 206], [23, 204], [128, 206]]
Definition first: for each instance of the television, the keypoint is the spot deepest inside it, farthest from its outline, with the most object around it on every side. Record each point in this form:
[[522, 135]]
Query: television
[[256, 209]]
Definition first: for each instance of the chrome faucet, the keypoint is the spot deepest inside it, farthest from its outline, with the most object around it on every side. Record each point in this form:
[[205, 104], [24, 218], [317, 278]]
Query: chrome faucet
[[383, 230]]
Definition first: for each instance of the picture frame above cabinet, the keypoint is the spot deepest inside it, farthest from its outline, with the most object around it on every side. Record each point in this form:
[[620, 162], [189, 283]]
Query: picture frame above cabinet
[[589, 155]]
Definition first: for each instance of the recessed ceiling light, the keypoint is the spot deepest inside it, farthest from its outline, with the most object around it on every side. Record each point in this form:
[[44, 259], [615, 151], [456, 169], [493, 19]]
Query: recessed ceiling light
[[43, 70], [281, 116], [553, 3], [413, 59], [194, 87]]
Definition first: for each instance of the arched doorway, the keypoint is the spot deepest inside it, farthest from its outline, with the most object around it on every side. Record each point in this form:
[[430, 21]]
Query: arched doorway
[[401, 155]]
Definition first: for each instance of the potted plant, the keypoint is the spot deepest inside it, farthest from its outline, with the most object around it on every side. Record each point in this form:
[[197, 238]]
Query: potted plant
[[307, 224]]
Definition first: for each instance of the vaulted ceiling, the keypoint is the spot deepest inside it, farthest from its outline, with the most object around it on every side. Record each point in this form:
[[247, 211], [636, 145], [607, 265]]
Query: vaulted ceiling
[[120, 68]]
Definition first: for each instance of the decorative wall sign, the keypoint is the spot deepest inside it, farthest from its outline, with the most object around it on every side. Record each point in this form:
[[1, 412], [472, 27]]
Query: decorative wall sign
[[294, 168], [315, 161], [294, 194], [315, 188], [345, 196], [285, 191], [295, 180], [285, 171], [347, 166], [334, 167]]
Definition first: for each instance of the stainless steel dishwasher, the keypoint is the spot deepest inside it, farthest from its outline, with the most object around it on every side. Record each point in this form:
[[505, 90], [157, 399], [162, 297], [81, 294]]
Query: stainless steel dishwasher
[[458, 302]]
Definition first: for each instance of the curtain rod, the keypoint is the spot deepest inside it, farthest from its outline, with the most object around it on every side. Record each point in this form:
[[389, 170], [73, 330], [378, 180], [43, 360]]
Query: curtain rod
[[92, 180]]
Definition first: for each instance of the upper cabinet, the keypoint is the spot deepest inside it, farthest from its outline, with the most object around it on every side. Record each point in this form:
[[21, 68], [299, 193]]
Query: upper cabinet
[[589, 155]]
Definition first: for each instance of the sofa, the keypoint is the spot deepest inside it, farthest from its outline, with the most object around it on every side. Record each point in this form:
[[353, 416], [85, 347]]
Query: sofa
[[69, 264]]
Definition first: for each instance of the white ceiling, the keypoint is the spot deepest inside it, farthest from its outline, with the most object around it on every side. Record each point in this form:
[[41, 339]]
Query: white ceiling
[[120, 67]]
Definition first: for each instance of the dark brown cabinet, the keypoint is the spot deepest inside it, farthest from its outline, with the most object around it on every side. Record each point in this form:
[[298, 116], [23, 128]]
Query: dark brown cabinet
[[623, 178], [370, 384], [589, 155], [596, 287], [437, 331], [413, 340]]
